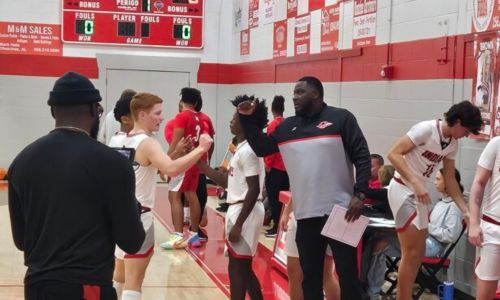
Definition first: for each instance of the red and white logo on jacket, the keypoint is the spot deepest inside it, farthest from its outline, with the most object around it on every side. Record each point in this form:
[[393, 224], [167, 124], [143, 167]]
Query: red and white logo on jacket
[[324, 124]]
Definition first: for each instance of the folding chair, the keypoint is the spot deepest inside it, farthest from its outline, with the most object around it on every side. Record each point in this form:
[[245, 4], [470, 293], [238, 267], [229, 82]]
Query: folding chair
[[426, 277], [392, 267]]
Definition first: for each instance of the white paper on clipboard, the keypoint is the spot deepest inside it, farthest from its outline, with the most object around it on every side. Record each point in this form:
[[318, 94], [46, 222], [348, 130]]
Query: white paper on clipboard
[[339, 229]]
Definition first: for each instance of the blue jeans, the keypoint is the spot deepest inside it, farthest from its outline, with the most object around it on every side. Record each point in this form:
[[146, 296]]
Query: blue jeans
[[377, 264], [433, 248]]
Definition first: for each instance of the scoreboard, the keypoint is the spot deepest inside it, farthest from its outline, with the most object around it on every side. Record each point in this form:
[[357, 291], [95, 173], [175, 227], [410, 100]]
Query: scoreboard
[[153, 23]]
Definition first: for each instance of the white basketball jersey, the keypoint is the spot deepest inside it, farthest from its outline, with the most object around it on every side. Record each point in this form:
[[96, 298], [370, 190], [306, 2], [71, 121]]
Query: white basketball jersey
[[431, 148], [490, 160], [145, 176], [243, 164]]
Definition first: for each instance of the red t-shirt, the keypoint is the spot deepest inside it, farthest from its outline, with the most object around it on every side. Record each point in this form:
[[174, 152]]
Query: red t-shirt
[[208, 126], [169, 131], [274, 160], [190, 121]]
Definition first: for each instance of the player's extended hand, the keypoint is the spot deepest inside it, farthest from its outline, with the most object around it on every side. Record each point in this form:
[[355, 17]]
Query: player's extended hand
[[205, 142], [247, 107], [354, 210], [421, 194], [234, 234], [476, 235]]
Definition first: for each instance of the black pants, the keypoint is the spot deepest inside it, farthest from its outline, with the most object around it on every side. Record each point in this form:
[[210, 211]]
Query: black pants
[[201, 192], [312, 246], [276, 181], [58, 290]]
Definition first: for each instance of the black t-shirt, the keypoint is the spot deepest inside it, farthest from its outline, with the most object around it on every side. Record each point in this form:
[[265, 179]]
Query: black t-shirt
[[71, 199]]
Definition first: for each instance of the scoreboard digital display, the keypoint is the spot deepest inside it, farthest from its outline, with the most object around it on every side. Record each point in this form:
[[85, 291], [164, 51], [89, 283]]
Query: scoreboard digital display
[[155, 23]]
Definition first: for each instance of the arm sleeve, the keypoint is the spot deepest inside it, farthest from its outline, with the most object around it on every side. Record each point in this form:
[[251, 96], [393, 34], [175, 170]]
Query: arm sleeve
[[261, 143], [127, 228], [357, 150], [16, 212], [489, 155]]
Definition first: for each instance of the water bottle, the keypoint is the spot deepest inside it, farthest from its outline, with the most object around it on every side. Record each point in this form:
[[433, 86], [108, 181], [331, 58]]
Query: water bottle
[[445, 290]]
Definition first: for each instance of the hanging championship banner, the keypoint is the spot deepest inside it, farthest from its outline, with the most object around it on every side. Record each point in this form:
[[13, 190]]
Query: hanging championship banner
[[485, 52], [267, 12], [302, 34], [485, 15], [253, 13], [364, 23], [496, 78], [291, 8], [329, 28], [279, 39]]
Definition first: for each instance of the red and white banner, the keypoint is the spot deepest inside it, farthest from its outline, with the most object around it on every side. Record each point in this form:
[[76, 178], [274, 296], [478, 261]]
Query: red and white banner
[[364, 23], [302, 34], [485, 15], [291, 8], [30, 38], [267, 12], [245, 42], [485, 52], [253, 13], [330, 28], [316, 4], [496, 78], [279, 39]]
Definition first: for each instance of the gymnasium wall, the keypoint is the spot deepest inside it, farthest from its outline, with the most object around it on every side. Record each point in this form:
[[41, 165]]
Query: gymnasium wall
[[428, 43]]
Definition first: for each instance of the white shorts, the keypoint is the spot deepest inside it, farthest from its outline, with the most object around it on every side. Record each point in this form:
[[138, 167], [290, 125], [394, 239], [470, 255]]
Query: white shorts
[[246, 247], [149, 240], [405, 208], [290, 244], [488, 267]]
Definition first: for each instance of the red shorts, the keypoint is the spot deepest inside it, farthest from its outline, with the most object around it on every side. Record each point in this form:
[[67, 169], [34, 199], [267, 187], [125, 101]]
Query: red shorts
[[187, 182]]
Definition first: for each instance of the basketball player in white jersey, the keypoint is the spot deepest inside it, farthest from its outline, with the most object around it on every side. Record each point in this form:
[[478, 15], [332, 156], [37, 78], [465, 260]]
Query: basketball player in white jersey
[[484, 231], [416, 157], [245, 215], [146, 111]]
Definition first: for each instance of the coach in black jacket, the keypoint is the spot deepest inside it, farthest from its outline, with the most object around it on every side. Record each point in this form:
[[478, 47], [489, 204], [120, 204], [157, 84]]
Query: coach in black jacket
[[319, 145]]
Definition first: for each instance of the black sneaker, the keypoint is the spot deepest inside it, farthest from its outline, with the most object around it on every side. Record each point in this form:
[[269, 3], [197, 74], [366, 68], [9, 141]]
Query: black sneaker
[[223, 207], [271, 233], [203, 236]]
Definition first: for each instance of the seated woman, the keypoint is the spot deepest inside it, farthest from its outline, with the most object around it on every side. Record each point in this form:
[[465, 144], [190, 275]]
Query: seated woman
[[444, 228], [445, 220]]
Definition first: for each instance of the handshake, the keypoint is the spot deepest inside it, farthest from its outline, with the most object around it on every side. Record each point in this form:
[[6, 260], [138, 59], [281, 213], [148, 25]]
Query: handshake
[[187, 144]]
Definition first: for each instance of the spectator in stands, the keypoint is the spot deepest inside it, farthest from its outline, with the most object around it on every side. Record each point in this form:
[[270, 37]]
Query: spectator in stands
[[276, 176]]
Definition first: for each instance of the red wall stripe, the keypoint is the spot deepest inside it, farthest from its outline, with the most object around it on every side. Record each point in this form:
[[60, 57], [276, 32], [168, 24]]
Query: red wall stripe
[[51, 66], [439, 58]]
